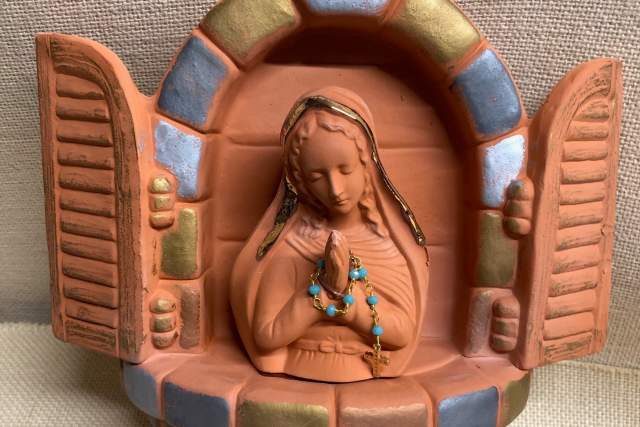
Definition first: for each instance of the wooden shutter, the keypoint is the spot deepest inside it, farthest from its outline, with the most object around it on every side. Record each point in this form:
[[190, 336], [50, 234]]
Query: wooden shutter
[[574, 163], [92, 191]]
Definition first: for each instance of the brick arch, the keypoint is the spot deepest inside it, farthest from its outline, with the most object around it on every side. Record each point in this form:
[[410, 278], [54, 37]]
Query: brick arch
[[236, 35]]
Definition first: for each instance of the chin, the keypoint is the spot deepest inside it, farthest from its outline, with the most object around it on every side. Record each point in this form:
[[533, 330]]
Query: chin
[[342, 210]]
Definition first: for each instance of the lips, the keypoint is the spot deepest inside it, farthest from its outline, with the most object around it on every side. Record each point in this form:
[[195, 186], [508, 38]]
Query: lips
[[341, 202]]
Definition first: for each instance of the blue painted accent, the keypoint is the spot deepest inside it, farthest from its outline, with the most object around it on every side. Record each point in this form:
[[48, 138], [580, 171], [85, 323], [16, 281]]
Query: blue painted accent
[[188, 91], [348, 299], [354, 275], [377, 330], [140, 387], [359, 7], [331, 310], [372, 300], [477, 409], [363, 273], [502, 164], [314, 290], [490, 95], [320, 264], [187, 409], [181, 154]]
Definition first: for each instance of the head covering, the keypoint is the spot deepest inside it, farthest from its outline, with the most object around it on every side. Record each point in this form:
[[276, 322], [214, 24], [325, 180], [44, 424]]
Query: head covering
[[346, 104]]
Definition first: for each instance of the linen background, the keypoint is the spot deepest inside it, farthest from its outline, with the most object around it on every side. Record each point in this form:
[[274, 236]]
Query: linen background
[[541, 40]]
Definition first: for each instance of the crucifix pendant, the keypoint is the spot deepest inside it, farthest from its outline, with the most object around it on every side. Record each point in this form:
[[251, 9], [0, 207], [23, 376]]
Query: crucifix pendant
[[377, 361]]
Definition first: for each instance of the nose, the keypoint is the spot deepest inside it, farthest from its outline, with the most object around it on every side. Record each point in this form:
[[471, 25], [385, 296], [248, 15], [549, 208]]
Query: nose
[[336, 185]]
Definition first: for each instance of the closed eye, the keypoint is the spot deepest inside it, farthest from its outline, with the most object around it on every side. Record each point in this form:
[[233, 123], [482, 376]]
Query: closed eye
[[346, 170], [315, 177]]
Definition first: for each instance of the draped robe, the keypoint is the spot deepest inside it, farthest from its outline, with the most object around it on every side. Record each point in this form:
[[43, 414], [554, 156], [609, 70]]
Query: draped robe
[[332, 348]]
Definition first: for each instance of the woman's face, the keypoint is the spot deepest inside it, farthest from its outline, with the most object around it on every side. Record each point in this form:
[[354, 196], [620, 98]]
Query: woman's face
[[332, 171]]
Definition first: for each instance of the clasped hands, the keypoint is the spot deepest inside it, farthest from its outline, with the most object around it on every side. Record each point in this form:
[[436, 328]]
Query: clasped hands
[[337, 263], [334, 277]]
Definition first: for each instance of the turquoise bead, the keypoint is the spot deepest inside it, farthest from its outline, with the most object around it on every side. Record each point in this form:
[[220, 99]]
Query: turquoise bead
[[314, 290], [372, 300], [331, 310], [377, 330], [354, 274], [348, 299], [320, 264], [363, 273]]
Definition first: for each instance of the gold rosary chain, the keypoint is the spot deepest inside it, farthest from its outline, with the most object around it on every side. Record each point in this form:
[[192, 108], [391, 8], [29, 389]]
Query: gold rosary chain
[[344, 310], [356, 274]]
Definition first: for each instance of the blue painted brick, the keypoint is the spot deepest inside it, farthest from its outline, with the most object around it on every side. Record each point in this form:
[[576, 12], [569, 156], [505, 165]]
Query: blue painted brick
[[181, 154], [502, 165], [188, 91], [476, 409], [489, 95], [140, 387], [183, 408], [362, 7]]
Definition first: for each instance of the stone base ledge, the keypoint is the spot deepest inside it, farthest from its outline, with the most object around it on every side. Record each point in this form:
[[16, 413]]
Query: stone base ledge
[[221, 388]]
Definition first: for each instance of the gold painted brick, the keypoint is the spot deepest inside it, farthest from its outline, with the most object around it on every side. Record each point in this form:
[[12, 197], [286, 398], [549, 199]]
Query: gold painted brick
[[438, 27], [497, 252], [243, 28], [514, 399], [162, 305], [160, 185], [267, 414], [180, 247], [164, 340], [161, 220], [161, 203], [163, 323]]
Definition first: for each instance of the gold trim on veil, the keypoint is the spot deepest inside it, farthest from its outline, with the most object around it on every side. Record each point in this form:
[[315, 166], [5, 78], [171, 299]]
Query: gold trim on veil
[[290, 199]]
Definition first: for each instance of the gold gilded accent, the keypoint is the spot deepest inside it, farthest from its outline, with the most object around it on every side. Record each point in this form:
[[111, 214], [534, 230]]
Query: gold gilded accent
[[180, 247], [496, 254], [160, 185], [438, 26], [287, 208], [514, 399], [290, 200], [238, 26], [377, 361], [164, 340], [163, 323], [162, 305], [268, 414], [161, 203], [161, 220]]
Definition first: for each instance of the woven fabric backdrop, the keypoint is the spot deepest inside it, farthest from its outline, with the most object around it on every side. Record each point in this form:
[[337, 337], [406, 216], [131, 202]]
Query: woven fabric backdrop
[[541, 41]]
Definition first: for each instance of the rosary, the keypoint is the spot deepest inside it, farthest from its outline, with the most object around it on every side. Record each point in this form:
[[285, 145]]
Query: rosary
[[357, 274]]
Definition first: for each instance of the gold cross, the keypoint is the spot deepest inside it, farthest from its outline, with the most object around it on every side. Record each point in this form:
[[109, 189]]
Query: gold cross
[[377, 361]]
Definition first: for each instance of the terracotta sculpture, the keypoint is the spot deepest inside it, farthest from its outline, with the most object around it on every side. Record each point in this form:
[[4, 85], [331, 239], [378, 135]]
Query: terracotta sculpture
[[229, 259], [347, 206]]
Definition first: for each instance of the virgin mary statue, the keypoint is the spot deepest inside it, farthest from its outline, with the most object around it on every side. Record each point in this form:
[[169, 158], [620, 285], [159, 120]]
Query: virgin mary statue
[[332, 284]]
